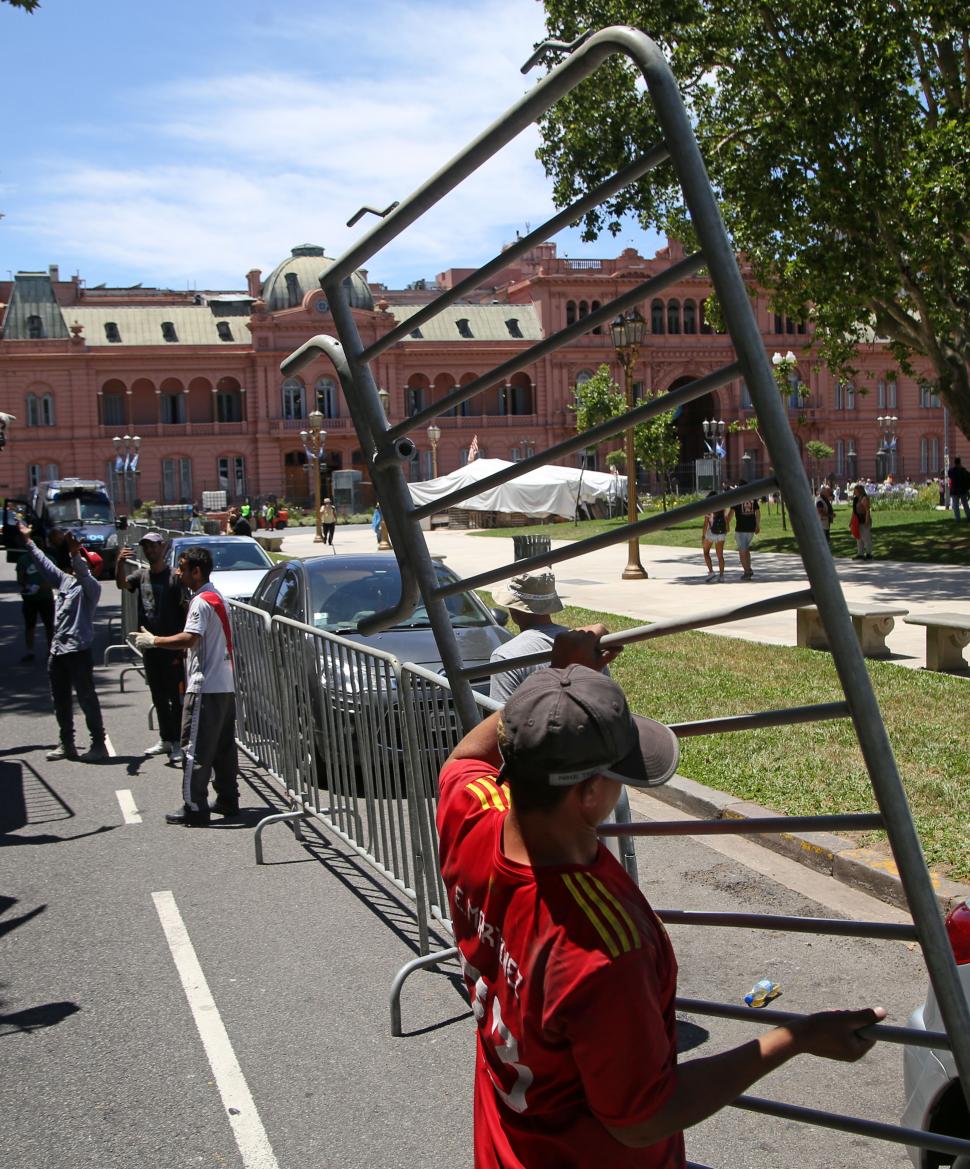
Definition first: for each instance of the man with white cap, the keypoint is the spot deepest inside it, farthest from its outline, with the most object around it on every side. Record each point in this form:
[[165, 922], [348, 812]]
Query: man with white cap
[[531, 600], [571, 976]]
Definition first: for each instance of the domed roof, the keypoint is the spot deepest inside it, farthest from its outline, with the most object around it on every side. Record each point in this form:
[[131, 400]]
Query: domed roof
[[290, 281]]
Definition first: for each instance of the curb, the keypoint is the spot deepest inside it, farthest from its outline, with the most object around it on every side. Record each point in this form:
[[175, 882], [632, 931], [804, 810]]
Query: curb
[[870, 870]]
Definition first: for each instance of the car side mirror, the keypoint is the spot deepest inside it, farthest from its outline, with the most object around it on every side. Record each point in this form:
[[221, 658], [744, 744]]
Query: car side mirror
[[501, 616]]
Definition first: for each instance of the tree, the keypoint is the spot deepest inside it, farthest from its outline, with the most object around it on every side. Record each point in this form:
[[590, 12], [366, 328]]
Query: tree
[[837, 136], [27, 5], [817, 451], [657, 445]]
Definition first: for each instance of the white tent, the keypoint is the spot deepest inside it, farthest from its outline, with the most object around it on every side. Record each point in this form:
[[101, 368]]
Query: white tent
[[543, 491]]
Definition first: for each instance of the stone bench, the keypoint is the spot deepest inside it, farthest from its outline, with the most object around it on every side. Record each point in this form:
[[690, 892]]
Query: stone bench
[[946, 635], [270, 542], [872, 624]]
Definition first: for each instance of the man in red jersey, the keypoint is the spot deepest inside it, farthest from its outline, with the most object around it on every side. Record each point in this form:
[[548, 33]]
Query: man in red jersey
[[571, 976]]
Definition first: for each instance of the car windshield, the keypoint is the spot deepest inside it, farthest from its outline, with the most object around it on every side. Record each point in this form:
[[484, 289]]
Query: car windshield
[[230, 555], [89, 508], [344, 594]]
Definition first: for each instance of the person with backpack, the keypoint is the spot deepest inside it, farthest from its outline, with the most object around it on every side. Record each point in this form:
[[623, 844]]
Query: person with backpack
[[716, 525]]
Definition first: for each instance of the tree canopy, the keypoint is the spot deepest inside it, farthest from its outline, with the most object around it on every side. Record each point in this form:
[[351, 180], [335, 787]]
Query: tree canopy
[[28, 5], [837, 137]]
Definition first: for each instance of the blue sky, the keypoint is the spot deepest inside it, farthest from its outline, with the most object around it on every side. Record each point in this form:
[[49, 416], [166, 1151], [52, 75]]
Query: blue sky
[[182, 143]]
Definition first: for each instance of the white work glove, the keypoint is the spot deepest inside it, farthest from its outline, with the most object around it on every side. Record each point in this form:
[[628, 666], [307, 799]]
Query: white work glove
[[143, 639]]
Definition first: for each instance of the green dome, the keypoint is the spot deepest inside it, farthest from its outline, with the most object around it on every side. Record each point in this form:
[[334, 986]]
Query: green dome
[[290, 281]]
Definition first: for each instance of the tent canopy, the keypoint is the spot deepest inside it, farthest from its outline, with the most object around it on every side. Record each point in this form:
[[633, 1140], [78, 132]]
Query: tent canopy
[[541, 492]]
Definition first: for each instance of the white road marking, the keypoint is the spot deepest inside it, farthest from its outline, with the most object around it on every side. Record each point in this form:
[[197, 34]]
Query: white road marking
[[247, 1128], [129, 811], [111, 747]]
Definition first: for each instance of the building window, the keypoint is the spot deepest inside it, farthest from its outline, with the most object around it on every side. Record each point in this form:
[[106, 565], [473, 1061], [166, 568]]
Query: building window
[[413, 400], [35, 328], [177, 480], [224, 330], [849, 396], [168, 331], [690, 317], [927, 399], [228, 406], [294, 404], [40, 410], [929, 456], [232, 474], [512, 324], [673, 316], [113, 410], [657, 317], [744, 396], [38, 472], [172, 409], [112, 332], [328, 400], [598, 329], [891, 393], [416, 334], [779, 323], [463, 327], [292, 290]]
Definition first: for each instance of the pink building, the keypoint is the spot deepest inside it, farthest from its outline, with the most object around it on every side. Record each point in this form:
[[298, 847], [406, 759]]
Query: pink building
[[196, 377]]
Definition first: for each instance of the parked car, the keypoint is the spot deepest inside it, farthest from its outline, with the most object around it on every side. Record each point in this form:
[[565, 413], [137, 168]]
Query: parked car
[[934, 1097], [334, 593], [239, 563]]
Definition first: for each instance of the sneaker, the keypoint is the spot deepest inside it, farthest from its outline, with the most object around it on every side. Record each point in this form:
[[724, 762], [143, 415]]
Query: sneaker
[[188, 817], [96, 753], [747, 575], [224, 807], [175, 755], [710, 576], [162, 747], [62, 752]]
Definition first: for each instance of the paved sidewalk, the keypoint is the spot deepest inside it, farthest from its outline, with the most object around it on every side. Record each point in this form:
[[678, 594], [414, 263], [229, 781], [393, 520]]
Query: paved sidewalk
[[594, 581]]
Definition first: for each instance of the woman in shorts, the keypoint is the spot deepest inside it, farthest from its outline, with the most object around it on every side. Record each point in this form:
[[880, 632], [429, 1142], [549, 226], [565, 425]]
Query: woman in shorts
[[716, 524]]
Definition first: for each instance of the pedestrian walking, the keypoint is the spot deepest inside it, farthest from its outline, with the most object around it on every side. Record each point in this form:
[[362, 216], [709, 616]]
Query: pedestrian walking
[[328, 520], [376, 521], [209, 716], [959, 478], [531, 599], [70, 667], [747, 524], [36, 600], [713, 535], [826, 512], [860, 523], [161, 611], [571, 977]]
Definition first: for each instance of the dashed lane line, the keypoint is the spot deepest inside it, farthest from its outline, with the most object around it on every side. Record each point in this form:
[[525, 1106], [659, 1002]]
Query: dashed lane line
[[129, 811], [247, 1128]]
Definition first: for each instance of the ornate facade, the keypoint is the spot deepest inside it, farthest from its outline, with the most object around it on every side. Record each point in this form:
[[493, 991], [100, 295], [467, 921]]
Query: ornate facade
[[196, 377]]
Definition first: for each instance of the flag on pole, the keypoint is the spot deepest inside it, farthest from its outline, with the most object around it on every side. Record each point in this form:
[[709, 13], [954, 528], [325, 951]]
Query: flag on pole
[[473, 449]]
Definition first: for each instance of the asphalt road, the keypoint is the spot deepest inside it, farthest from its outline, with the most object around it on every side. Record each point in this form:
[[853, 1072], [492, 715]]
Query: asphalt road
[[103, 1065]]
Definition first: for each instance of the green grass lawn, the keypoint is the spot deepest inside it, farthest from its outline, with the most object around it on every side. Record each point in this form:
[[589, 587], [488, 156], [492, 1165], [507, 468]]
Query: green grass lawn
[[815, 768], [925, 537]]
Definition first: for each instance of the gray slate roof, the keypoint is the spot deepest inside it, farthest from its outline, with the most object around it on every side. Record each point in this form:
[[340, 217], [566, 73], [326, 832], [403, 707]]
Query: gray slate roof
[[33, 296], [486, 322], [194, 325]]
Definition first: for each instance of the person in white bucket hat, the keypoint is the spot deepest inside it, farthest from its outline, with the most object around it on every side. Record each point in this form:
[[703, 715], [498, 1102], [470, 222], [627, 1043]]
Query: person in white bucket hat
[[531, 600]]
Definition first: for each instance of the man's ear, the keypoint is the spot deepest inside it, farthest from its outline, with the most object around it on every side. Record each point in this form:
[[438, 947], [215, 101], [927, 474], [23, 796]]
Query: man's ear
[[589, 795]]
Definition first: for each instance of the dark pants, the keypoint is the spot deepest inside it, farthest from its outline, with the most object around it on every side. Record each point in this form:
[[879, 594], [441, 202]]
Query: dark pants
[[209, 748], [328, 530], [38, 605], [165, 676], [75, 672]]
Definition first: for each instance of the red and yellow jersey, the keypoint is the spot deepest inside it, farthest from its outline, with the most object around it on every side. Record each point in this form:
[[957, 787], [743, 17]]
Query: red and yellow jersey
[[571, 979]]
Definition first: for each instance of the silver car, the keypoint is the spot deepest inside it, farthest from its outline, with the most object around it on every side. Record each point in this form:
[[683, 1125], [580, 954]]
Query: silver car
[[239, 563], [934, 1097]]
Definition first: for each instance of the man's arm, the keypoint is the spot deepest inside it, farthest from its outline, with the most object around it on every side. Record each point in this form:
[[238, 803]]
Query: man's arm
[[124, 580], [184, 640], [704, 1086], [47, 568]]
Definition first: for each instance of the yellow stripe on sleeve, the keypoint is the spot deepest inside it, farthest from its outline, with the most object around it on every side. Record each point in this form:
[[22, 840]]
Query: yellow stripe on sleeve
[[497, 794], [482, 797], [590, 911], [617, 905]]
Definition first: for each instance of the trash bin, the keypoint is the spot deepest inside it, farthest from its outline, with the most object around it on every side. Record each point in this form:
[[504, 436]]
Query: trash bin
[[524, 546]]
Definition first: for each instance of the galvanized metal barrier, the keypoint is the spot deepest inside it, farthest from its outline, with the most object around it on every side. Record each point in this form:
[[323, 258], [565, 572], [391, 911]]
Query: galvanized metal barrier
[[388, 451]]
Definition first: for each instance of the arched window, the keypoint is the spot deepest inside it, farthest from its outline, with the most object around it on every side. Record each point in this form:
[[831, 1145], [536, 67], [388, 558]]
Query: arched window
[[657, 317], [583, 376], [292, 290], [47, 410], [414, 400], [593, 307], [294, 399], [520, 394], [583, 309], [328, 400], [33, 414], [40, 409], [673, 316], [690, 317], [570, 312]]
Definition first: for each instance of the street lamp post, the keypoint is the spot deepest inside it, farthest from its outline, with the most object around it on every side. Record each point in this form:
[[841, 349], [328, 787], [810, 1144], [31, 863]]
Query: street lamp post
[[315, 444], [887, 427], [628, 333], [714, 431], [126, 466], [384, 539], [786, 373], [434, 434]]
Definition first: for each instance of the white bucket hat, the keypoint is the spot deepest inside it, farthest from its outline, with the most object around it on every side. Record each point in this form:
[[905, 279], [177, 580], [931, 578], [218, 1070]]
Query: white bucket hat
[[535, 592]]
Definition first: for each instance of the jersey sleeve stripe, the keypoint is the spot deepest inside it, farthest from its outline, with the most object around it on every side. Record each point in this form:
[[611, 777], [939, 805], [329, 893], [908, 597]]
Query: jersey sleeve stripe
[[594, 890], [621, 911], [477, 791], [590, 911], [497, 794]]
